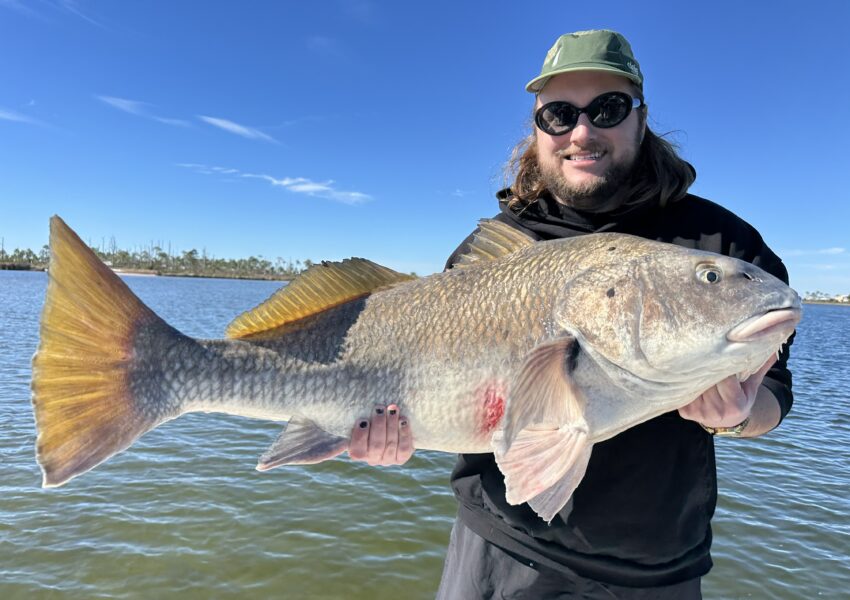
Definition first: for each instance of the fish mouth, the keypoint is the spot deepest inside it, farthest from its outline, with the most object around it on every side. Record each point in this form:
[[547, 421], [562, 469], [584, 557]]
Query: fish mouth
[[778, 320]]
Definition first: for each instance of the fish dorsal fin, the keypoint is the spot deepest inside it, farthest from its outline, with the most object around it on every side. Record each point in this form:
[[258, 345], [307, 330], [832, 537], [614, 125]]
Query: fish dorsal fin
[[493, 239], [321, 287]]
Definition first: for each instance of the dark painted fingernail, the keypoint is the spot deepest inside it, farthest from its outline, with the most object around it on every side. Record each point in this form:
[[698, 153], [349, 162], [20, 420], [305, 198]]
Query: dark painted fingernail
[[393, 411], [364, 424], [403, 423], [379, 411]]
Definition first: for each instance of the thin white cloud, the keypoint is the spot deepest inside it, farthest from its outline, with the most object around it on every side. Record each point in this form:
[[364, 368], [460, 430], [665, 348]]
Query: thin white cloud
[[71, 7], [133, 107], [19, 7], [11, 115], [62, 6], [311, 187], [822, 251], [299, 185], [139, 109], [175, 122], [236, 128]]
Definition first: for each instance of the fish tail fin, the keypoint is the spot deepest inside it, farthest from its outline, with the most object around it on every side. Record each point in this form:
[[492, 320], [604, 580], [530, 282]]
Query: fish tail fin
[[82, 396]]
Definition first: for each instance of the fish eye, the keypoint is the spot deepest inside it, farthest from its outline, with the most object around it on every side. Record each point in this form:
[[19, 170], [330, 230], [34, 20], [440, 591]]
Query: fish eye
[[709, 273]]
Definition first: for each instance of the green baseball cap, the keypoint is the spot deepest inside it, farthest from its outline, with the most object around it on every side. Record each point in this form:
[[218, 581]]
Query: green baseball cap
[[594, 50]]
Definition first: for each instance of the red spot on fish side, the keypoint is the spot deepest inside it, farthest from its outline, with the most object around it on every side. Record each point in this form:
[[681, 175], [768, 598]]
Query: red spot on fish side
[[491, 399]]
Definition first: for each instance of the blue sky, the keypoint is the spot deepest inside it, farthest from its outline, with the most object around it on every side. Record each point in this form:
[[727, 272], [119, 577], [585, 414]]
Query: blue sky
[[379, 129]]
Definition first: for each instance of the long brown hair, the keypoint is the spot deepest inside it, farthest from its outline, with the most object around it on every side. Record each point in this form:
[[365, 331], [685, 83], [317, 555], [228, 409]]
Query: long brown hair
[[659, 174]]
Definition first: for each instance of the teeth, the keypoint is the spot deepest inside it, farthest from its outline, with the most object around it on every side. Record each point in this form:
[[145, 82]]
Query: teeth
[[591, 156]]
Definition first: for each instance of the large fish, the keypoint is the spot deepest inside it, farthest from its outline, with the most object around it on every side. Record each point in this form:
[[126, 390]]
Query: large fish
[[534, 351]]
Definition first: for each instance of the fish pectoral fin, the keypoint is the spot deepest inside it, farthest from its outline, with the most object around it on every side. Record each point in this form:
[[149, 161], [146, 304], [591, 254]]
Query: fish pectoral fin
[[550, 502], [302, 442], [543, 467], [542, 447], [543, 394]]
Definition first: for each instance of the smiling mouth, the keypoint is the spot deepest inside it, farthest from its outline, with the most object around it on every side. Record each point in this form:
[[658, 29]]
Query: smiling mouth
[[584, 156]]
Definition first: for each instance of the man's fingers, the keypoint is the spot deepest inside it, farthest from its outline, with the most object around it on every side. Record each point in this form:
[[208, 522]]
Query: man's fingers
[[752, 383], [391, 445], [359, 442], [377, 436], [405, 441], [690, 411], [383, 439], [712, 407], [730, 392]]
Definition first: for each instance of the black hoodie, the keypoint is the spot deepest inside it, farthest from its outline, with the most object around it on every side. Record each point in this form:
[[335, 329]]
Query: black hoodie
[[641, 515]]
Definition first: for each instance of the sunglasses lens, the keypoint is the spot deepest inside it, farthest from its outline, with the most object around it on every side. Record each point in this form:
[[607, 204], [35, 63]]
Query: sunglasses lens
[[556, 118], [609, 110]]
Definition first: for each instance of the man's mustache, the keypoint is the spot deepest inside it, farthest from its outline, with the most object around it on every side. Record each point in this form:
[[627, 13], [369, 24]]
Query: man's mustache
[[591, 148]]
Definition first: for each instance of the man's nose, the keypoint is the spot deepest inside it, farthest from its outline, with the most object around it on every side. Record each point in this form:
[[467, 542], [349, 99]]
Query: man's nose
[[583, 130]]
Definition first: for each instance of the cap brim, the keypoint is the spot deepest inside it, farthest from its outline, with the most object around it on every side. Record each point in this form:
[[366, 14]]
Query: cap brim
[[535, 85]]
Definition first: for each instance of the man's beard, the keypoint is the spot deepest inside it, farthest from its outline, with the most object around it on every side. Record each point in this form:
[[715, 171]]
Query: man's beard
[[601, 194]]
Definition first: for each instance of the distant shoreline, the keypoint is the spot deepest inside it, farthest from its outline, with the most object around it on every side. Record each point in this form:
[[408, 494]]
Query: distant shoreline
[[826, 302], [153, 273], [247, 276]]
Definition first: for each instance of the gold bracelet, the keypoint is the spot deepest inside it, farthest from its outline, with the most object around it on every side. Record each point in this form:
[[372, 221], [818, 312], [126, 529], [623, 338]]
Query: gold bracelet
[[734, 431]]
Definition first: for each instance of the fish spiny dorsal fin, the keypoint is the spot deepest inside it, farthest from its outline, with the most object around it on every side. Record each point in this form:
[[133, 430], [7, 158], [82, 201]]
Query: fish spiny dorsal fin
[[493, 239], [321, 287]]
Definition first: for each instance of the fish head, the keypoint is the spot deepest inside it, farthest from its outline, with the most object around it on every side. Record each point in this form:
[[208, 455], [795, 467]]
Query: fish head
[[669, 314]]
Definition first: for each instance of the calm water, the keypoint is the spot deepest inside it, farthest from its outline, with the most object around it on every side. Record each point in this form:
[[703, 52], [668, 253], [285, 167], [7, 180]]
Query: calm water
[[184, 514]]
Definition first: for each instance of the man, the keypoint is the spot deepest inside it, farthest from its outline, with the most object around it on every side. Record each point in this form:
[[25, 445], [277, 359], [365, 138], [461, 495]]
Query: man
[[638, 526]]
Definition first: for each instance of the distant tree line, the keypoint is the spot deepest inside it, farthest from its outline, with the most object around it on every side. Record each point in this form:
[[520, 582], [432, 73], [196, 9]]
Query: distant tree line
[[154, 259], [819, 296]]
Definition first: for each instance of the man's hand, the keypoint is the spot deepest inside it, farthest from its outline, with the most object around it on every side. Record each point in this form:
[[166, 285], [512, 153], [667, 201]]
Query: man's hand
[[729, 402], [384, 440]]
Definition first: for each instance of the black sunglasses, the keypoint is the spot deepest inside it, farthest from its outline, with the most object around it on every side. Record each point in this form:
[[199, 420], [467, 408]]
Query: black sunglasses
[[606, 110]]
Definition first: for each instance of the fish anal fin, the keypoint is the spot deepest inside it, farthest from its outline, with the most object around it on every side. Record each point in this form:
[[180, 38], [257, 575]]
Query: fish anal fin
[[543, 393], [321, 287], [492, 240], [302, 442], [550, 502], [541, 458]]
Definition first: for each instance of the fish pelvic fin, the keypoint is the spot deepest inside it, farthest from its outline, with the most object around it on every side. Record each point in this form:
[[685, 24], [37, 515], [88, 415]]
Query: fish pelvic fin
[[81, 382], [542, 447], [492, 240], [321, 287], [302, 442]]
